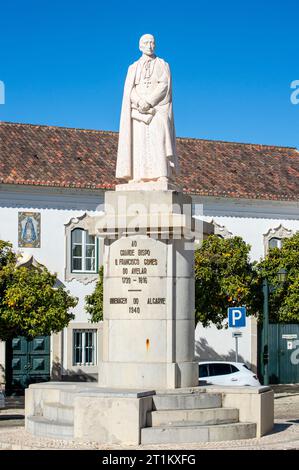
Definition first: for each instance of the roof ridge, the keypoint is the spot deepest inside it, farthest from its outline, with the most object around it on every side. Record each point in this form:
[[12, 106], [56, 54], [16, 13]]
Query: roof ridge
[[185, 139], [98, 131], [192, 139]]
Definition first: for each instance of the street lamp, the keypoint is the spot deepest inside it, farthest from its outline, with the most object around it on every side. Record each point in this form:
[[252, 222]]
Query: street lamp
[[281, 275]]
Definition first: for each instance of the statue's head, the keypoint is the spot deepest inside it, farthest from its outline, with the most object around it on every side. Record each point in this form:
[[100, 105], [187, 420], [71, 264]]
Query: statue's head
[[147, 44]]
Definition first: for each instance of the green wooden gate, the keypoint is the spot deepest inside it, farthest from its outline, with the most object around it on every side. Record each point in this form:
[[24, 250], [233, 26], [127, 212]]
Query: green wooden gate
[[283, 353], [27, 361]]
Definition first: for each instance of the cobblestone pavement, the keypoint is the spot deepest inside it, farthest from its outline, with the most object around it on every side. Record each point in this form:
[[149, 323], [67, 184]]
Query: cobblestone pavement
[[285, 434]]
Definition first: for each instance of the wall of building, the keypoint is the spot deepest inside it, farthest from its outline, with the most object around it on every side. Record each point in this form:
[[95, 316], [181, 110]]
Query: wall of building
[[212, 344], [56, 207], [249, 219]]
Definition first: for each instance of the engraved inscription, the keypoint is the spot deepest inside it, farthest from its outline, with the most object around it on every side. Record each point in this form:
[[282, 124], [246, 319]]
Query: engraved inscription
[[156, 300], [118, 300], [140, 270]]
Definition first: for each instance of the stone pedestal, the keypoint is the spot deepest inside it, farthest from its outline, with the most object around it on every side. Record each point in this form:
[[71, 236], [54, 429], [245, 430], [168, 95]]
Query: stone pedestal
[[148, 334], [85, 412]]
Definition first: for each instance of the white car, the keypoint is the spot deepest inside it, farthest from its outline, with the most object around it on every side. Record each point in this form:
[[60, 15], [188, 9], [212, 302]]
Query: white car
[[227, 373]]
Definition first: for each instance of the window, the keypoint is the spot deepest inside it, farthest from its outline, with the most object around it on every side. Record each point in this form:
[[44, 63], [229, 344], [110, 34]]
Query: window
[[275, 242], [84, 347], [83, 251], [203, 371], [219, 369], [275, 237]]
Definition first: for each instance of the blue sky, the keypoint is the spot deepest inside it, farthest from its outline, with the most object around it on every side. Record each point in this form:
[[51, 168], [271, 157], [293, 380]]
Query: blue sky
[[64, 63]]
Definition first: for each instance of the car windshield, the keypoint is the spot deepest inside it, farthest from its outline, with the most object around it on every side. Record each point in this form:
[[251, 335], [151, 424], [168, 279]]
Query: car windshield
[[203, 371]]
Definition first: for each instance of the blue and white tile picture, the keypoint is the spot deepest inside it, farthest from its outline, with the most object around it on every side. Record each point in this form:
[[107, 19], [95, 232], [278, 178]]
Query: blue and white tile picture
[[29, 229]]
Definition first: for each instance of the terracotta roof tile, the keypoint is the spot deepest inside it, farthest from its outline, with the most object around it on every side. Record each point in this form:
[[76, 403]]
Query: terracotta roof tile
[[79, 158]]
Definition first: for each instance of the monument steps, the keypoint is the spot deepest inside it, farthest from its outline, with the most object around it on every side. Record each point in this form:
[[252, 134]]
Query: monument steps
[[58, 412], [66, 398], [41, 426], [69, 391], [182, 417], [197, 433], [198, 417], [186, 401], [165, 420]]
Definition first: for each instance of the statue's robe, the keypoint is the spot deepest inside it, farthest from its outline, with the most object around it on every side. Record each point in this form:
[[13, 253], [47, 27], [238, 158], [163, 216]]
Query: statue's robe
[[146, 146]]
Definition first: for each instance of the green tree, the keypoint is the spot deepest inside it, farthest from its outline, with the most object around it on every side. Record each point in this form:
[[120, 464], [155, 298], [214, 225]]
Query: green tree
[[6, 254], [94, 301], [283, 298], [30, 302], [224, 277]]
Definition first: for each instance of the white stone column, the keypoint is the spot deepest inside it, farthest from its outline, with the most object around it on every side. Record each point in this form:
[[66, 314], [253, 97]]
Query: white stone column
[[148, 334]]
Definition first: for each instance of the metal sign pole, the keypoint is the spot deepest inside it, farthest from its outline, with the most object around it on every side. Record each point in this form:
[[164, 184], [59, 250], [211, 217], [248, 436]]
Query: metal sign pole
[[237, 335]]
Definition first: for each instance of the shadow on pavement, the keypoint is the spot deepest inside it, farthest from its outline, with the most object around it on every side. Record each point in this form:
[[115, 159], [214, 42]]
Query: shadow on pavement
[[285, 388], [279, 427]]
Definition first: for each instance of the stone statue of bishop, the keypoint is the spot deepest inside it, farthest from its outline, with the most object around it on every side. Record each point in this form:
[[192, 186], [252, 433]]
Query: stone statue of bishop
[[146, 147]]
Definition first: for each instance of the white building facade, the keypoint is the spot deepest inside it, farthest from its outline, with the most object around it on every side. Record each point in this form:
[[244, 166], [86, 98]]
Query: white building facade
[[56, 209]]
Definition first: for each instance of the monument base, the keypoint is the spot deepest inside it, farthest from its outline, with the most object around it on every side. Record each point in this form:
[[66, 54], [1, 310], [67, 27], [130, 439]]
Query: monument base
[[85, 412]]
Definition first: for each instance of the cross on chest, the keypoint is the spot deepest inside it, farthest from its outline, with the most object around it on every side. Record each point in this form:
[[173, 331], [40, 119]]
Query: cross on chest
[[147, 83]]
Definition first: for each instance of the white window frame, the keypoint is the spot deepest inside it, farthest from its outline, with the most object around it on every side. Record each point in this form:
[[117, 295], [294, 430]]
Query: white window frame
[[83, 332], [279, 232], [84, 222], [84, 257]]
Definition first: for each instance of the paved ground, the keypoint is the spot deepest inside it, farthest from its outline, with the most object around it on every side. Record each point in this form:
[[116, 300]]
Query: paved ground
[[285, 434]]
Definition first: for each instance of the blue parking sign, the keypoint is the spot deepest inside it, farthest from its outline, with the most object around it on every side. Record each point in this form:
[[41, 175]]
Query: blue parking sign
[[236, 317]]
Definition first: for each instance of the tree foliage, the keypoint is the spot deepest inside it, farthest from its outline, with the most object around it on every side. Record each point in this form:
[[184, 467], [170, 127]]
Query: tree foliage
[[224, 277], [6, 254], [283, 298], [30, 304], [94, 301]]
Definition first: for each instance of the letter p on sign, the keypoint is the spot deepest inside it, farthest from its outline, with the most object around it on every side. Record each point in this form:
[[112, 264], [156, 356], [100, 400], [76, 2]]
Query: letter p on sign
[[237, 317]]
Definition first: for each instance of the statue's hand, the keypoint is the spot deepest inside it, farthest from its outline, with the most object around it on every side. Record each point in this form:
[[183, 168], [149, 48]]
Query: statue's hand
[[143, 106]]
